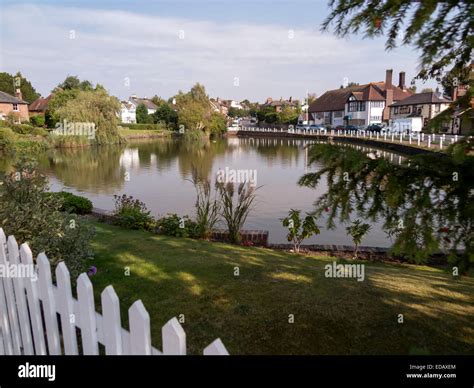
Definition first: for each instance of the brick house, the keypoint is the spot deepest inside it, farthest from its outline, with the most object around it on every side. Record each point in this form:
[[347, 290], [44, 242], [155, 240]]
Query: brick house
[[280, 104], [39, 106], [15, 104], [359, 104]]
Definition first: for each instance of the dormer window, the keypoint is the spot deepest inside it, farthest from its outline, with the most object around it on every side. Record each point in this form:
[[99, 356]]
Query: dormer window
[[15, 108]]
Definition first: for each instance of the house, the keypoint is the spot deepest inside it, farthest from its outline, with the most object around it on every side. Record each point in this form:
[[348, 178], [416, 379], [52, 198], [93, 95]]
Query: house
[[135, 101], [280, 104], [425, 105], [127, 112], [39, 106], [13, 104], [359, 104]]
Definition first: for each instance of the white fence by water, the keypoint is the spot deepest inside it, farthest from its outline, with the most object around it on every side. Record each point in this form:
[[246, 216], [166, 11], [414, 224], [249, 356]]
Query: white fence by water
[[31, 306]]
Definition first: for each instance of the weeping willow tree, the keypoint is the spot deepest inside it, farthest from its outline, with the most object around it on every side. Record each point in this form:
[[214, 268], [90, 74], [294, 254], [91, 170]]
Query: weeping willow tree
[[93, 106], [426, 203]]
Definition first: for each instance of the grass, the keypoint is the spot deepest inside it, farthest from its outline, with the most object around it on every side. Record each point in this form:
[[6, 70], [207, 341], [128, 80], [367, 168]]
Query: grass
[[141, 133], [250, 313]]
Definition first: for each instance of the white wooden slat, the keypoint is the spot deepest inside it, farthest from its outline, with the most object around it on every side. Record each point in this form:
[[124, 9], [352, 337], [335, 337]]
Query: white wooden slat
[[6, 340], [111, 321], [20, 308], [2, 349], [140, 334], [216, 348], [4, 320], [10, 308], [34, 304], [174, 338], [86, 315], [65, 306], [49, 304], [19, 284]]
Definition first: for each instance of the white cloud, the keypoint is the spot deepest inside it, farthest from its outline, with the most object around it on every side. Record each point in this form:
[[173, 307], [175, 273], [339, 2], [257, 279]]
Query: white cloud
[[111, 45]]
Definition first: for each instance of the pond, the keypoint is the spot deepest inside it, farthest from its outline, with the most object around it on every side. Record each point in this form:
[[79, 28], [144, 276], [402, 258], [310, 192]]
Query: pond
[[158, 172]]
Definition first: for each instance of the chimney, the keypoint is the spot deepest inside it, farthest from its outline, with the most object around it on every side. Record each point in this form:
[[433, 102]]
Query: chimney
[[18, 94], [401, 80], [388, 79], [388, 102]]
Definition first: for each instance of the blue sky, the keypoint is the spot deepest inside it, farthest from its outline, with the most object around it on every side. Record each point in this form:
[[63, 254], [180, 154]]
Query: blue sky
[[237, 49]]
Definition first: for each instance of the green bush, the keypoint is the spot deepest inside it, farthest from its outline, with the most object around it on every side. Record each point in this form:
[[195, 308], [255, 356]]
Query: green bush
[[7, 138], [33, 217], [73, 203], [37, 120], [23, 129], [176, 226], [158, 126], [131, 213]]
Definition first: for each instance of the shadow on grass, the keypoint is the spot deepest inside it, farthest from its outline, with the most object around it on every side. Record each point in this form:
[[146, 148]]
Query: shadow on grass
[[252, 312]]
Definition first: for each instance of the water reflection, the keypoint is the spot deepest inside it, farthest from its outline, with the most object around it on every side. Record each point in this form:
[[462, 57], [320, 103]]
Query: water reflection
[[158, 170]]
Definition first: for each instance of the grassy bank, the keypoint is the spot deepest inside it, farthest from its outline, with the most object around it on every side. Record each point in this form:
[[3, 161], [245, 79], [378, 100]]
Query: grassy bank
[[250, 313], [142, 133]]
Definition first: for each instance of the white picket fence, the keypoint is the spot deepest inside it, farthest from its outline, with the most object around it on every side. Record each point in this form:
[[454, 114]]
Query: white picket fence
[[29, 309]]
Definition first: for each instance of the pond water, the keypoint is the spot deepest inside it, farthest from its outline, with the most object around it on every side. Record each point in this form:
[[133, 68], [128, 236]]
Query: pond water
[[158, 172]]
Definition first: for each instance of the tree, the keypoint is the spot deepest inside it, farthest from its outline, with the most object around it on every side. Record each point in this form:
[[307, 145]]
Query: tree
[[217, 124], [166, 114], [96, 107], [142, 114], [357, 231], [442, 31], [455, 78], [299, 229], [28, 213], [9, 83], [311, 98], [72, 82]]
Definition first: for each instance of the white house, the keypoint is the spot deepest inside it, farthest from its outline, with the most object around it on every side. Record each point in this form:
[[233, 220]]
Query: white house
[[359, 104], [127, 113], [128, 108]]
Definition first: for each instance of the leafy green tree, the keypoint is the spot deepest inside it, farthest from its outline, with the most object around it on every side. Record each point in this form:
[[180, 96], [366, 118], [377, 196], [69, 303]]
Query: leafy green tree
[[441, 30], [357, 231], [271, 117], [299, 229], [217, 124], [142, 114], [166, 114], [73, 82], [403, 196], [28, 213], [8, 84], [95, 107]]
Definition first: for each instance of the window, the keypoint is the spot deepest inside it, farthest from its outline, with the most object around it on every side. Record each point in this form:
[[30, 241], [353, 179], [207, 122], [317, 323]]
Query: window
[[404, 110], [395, 110], [338, 113], [375, 118], [356, 106], [437, 108], [377, 104], [15, 107]]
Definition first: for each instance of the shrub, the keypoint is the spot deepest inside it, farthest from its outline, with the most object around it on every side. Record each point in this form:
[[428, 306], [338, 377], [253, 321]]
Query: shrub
[[357, 231], [158, 126], [73, 203], [37, 120], [23, 129], [299, 229], [235, 212], [131, 213], [176, 226], [207, 209], [33, 217], [7, 138]]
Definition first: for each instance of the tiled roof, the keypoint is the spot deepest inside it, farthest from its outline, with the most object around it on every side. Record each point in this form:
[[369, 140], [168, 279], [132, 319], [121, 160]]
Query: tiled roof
[[423, 98], [335, 100], [40, 104], [145, 101], [5, 97]]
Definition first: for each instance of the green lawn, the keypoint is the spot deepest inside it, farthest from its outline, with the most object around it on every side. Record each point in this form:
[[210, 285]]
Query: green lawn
[[250, 313]]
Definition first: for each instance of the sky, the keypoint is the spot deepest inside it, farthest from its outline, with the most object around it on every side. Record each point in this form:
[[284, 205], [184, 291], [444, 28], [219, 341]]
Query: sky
[[236, 49]]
